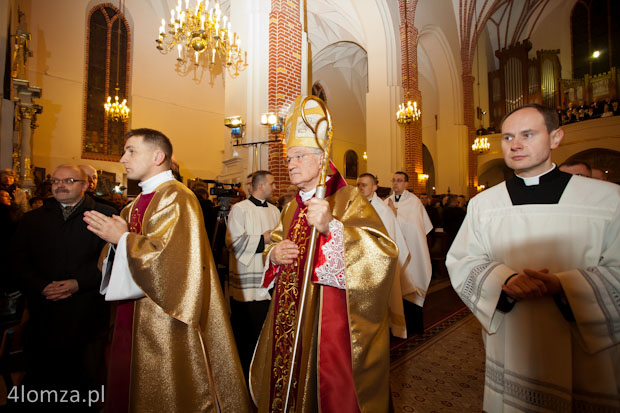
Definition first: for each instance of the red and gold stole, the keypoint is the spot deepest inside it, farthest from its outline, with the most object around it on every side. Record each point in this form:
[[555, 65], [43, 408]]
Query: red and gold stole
[[336, 387], [120, 350]]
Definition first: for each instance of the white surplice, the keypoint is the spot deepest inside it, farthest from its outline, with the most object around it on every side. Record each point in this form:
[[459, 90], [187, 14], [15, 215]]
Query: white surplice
[[536, 360], [415, 224], [246, 225]]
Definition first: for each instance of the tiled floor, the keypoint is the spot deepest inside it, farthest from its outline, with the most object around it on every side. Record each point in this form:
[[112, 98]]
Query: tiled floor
[[441, 370]]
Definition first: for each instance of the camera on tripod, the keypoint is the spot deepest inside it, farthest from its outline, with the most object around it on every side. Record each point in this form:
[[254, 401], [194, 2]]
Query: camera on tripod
[[219, 189]]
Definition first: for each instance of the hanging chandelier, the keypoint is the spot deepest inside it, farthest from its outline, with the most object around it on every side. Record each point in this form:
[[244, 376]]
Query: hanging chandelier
[[481, 145], [117, 111], [408, 113], [201, 33]]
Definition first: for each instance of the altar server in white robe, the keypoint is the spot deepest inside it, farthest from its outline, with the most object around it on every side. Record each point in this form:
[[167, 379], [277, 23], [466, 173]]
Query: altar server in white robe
[[367, 185], [415, 224], [537, 261], [248, 233]]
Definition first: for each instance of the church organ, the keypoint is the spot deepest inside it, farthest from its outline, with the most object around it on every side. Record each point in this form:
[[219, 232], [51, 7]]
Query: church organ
[[521, 80]]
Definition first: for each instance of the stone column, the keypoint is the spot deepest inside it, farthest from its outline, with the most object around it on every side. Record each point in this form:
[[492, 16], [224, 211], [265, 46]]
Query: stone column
[[27, 110]]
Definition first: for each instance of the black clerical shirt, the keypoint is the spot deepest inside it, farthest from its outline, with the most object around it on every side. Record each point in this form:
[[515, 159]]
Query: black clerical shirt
[[261, 244], [548, 191]]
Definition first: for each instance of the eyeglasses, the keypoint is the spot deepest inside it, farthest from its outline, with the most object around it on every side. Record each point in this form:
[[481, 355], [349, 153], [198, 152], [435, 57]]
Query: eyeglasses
[[298, 158], [66, 181]]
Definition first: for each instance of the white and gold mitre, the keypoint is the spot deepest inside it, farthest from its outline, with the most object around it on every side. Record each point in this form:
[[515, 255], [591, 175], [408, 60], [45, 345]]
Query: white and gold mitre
[[297, 133]]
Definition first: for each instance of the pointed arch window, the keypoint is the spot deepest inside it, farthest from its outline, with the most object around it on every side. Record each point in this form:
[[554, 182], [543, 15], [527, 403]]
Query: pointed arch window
[[103, 138]]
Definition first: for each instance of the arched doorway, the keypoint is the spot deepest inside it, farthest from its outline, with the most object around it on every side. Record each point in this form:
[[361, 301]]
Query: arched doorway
[[607, 160], [429, 169], [350, 165], [494, 172]]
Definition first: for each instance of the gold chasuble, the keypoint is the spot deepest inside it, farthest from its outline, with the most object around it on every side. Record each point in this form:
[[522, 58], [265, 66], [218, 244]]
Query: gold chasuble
[[183, 354], [343, 364]]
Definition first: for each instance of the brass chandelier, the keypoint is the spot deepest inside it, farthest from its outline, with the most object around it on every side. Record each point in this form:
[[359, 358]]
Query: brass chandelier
[[201, 33], [481, 145], [117, 111], [408, 113]]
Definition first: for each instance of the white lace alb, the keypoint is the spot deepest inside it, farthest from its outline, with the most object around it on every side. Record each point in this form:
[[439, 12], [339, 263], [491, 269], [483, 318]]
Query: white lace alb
[[331, 273]]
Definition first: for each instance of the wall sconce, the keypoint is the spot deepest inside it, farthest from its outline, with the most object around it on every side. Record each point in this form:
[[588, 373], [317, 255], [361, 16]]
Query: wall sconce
[[480, 188], [274, 121], [423, 177], [365, 156]]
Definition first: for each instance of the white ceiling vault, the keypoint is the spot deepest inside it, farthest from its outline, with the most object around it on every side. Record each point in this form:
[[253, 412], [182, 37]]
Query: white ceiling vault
[[351, 61], [332, 21], [337, 42]]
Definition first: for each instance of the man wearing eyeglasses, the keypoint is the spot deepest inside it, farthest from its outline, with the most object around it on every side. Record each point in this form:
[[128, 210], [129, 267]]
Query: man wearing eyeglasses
[[173, 348], [56, 265], [343, 359]]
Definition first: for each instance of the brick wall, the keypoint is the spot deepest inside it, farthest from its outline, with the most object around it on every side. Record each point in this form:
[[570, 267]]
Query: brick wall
[[285, 38], [409, 57]]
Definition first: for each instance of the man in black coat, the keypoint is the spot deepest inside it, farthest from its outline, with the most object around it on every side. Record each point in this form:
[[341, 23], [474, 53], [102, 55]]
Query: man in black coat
[[453, 217], [56, 259]]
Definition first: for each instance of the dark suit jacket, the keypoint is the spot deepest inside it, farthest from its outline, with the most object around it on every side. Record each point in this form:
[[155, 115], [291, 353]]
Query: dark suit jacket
[[452, 219], [47, 248]]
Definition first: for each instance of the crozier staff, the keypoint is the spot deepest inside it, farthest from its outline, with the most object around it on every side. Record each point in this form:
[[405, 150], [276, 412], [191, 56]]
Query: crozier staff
[[343, 365]]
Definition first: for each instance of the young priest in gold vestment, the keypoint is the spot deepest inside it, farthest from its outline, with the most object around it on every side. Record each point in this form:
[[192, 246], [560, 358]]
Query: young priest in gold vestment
[[173, 349], [343, 363]]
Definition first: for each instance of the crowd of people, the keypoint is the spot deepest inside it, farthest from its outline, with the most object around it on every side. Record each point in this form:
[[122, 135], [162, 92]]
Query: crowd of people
[[579, 112], [315, 287], [602, 108]]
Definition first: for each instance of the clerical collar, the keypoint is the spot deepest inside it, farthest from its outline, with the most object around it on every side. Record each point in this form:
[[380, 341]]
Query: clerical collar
[[397, 197], [258, 202], [305, 196], [154, 181], [549, 190], [534, 180]]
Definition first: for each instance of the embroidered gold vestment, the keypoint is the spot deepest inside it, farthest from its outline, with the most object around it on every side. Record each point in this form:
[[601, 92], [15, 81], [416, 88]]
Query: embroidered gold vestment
[[183, 353], [370, 259]]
